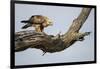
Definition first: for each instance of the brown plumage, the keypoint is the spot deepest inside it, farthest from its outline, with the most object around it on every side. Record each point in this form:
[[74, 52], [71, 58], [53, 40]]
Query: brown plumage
[[37, 21]]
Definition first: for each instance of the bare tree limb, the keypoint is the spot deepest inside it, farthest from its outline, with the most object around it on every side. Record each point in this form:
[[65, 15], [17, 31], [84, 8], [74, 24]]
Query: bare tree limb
[[80, 20], [50, 43]]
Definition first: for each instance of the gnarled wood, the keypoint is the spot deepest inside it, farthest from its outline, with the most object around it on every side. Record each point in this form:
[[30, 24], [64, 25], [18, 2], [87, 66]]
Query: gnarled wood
[[50, 43]]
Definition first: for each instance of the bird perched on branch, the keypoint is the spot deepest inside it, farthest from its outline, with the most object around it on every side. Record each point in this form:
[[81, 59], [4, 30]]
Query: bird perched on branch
[[37, 21]]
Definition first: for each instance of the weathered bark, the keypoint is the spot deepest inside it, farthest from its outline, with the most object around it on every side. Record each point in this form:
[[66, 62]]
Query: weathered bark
[[50, 43]]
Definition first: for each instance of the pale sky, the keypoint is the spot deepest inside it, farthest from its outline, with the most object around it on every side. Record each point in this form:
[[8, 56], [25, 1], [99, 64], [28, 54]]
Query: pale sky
[[62, 18]]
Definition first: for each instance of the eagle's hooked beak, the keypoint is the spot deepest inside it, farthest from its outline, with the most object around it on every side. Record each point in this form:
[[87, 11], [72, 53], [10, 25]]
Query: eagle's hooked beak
[[50, 22]]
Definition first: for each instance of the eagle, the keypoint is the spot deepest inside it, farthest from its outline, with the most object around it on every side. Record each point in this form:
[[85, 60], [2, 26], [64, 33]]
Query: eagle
[[37, 21]]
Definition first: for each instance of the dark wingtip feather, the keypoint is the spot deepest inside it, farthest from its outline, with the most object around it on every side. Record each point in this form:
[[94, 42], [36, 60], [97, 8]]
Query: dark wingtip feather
[[24, 21], [26, 26]]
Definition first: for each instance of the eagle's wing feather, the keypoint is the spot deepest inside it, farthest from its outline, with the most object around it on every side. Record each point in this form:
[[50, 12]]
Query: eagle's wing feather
[[25, 21], [26, 26]]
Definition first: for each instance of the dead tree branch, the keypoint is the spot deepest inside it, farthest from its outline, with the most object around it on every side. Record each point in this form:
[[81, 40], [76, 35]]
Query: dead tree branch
[[50, 43]]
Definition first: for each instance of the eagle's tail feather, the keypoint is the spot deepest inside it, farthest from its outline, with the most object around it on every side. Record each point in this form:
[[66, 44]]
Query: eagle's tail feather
[[25, 21], [26, 26]]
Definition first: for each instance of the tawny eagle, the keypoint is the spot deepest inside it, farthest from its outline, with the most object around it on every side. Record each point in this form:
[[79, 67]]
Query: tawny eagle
[[37, 21]]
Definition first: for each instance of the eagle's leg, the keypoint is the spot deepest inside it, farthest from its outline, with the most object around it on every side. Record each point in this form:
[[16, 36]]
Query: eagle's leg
[[38, 28]]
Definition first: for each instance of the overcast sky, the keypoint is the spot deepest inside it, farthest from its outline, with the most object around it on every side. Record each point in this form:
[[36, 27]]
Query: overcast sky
[[62, 18]]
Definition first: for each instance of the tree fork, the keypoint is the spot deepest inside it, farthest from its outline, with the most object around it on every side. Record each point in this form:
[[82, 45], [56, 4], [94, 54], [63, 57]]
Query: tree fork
[[49, 43]]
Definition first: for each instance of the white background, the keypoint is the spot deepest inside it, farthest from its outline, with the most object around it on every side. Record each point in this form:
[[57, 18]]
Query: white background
[[5, 34]]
